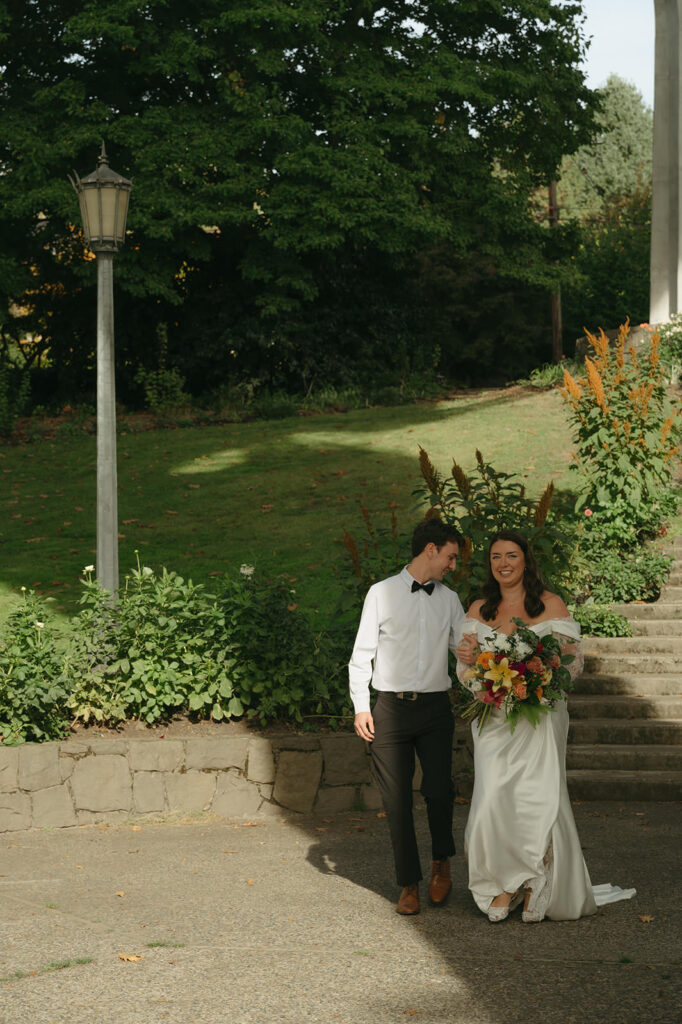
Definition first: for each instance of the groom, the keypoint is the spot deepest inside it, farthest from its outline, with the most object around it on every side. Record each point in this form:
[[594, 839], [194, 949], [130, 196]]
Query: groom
[[408, 623]]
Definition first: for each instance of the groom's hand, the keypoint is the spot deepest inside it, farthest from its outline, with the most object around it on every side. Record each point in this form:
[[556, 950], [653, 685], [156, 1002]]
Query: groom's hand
[[364, 726]]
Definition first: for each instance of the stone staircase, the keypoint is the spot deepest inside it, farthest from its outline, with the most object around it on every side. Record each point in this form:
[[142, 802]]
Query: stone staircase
[[625, 737]]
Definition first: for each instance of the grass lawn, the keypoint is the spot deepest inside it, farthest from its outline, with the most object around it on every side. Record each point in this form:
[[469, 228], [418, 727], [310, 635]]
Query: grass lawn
[[276, 493]]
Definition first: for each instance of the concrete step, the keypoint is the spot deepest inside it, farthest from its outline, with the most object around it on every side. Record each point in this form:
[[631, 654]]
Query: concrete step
[[651, 663], [670, 594], [624, 706], [637, 684], [658, 610], [654, 627], [675, 578], [614, 757], [625, 730], [670, 645], [623, 785]]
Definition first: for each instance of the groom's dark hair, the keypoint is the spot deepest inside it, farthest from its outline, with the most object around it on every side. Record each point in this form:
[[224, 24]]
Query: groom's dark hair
[[433, 531]]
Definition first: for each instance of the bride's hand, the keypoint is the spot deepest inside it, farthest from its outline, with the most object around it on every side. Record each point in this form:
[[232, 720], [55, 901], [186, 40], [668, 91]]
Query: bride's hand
[[466, 649]]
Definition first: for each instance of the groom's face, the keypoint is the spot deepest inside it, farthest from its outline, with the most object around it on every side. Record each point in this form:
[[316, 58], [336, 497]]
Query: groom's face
[[443, 560]]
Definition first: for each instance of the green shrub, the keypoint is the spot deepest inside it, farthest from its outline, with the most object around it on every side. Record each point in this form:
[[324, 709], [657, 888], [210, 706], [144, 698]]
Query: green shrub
[[614, 576], [163, 387], [600, 620], [671, 347], [14, 392], [626, 438], [284, 667], [32, 694]]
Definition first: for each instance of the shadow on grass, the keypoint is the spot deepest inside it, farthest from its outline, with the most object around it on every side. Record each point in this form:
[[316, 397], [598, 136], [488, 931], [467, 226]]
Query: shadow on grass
[[278, 494]]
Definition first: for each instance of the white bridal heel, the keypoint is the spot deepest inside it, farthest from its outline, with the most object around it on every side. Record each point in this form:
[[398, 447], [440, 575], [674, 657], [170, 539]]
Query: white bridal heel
[[496, 914]]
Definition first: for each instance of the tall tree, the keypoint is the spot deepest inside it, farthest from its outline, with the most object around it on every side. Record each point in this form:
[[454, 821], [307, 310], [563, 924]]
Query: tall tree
[[267, 140]]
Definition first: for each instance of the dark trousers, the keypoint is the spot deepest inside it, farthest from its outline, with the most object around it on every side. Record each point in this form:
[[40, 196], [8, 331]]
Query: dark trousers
[[401, 729]]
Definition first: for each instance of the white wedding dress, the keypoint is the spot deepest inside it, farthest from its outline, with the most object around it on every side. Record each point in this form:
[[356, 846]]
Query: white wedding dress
[[521, 832]]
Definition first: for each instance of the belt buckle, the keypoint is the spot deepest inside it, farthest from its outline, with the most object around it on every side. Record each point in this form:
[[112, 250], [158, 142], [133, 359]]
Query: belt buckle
[[407, 695]]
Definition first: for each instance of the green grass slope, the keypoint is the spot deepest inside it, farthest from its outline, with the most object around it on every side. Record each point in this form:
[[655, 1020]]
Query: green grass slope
[[276, 493]]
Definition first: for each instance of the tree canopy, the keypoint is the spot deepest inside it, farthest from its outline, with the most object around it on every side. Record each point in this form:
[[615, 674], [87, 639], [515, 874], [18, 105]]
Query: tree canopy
[[282, 151]]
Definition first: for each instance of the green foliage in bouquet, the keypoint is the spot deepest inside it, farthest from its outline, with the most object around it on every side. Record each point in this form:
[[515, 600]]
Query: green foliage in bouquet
[[32, 693], [626, 438], [523, 675], [485, 501]]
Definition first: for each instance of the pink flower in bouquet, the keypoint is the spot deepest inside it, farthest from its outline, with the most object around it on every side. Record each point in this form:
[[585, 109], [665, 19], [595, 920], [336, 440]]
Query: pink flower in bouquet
[[534, 665], [492, 697], [520, 691]]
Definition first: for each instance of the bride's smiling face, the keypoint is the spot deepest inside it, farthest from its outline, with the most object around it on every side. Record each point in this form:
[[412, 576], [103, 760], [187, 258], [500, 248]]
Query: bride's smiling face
[[507, 562]]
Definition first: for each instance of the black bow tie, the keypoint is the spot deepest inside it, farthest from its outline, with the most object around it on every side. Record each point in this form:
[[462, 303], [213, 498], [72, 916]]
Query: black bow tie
[[428, 587]]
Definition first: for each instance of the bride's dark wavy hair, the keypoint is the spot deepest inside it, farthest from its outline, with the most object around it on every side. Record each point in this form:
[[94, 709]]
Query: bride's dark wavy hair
[[532, 580]]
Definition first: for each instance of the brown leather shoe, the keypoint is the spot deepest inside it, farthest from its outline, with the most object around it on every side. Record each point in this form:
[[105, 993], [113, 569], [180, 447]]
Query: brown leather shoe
[[440, 884], [408, 903]]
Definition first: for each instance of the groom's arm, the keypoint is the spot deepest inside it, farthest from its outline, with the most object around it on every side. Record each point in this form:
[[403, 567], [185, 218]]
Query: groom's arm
[[456, 618], [360, 666]]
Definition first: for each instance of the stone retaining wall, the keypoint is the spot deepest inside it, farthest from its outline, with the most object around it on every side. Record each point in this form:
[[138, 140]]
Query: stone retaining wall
[[105, 781]]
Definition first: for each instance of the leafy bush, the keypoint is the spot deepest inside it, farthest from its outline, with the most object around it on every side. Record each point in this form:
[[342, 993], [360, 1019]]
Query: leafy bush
[[284, 667], [32, 694], [613, 576], [600, 620], [167, 646], [549, 374], [159, 650], [14, 393], [671, 347], [626, 438], [485, 501], [163, 387]]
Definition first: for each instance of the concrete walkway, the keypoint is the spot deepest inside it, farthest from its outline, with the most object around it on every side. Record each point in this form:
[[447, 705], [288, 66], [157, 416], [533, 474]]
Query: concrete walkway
[[293, 921]]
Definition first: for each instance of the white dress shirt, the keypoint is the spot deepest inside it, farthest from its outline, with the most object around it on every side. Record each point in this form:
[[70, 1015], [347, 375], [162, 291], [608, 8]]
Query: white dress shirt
[[407, 636]]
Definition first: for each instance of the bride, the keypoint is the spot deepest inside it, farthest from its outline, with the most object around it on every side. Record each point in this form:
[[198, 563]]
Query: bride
[[521, 841]]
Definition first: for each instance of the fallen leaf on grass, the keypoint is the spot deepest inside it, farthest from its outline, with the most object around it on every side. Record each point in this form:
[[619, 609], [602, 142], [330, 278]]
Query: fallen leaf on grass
[[249, 881], [646, 918], [121, 893], [129, 957], [229, 851], [80, 867]]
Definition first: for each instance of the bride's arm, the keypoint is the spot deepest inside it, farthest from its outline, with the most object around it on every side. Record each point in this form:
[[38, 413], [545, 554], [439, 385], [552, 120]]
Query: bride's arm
[[571, 645]]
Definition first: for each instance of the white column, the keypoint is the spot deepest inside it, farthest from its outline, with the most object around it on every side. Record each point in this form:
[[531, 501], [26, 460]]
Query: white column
[[666, 210], [107, 500], [666, 295]]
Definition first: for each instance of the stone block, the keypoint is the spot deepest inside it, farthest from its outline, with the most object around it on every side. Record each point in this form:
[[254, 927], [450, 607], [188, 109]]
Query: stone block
[[102, 783], [370, 797], [217, 754], [332, 799], [66, 766], [260, 760], [265, 790], [345, 759], [74, 748], [9, 769], [53, 807], [297, 779], [38, 766], [103, 745], [15, 811], [290, 741], [155, 755], [102, 817], [149, 794], [190, 791], [235, 797]]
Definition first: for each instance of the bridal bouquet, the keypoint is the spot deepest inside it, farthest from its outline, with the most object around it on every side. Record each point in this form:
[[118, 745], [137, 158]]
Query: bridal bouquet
[[522, 674]]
